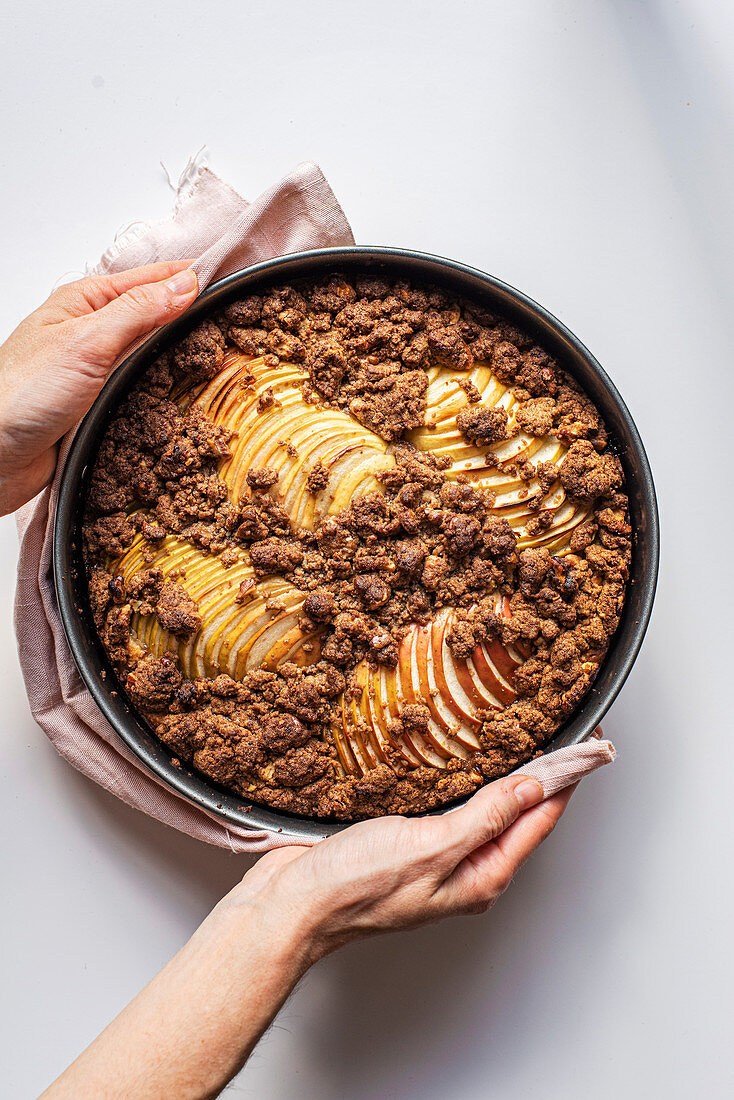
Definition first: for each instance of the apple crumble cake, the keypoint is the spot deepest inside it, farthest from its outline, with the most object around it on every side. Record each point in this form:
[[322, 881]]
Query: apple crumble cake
[[355, 547]]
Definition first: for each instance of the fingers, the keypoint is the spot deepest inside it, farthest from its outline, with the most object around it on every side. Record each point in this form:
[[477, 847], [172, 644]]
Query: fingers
[[523, 837], [108, 331], [484, 874], [84, 296], [491, 810], [122, 281]]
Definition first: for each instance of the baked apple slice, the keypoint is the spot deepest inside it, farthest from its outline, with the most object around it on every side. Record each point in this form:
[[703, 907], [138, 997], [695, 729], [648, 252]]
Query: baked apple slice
[[247, 622], [456, 694], [277, 428], [518, 499]]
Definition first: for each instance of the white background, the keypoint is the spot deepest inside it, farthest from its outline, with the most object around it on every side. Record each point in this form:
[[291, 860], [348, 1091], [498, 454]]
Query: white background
[[583, 152]]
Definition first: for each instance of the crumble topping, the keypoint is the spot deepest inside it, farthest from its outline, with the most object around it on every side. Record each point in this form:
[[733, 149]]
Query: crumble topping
[[436, 625]]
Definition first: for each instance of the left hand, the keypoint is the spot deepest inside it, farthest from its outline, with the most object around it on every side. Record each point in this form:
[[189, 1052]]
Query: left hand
[[57, 360]]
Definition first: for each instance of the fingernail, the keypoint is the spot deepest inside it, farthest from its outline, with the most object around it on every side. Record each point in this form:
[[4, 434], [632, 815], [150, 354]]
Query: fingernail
[[528, 793], [183, 283]]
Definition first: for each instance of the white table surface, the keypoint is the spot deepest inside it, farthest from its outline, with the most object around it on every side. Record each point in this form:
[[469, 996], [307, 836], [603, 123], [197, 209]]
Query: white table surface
[[583, 153]]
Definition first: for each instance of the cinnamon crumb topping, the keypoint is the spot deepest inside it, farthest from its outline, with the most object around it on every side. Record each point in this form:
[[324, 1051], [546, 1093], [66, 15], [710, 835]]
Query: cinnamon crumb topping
[[420, 570]]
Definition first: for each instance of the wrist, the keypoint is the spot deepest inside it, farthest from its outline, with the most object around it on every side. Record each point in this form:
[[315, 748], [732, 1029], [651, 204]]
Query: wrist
[[273, 920], [311, 916]]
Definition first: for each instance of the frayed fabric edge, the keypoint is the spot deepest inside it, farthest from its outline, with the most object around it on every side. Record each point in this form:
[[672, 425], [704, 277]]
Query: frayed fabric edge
[[184, 189], [188, 179]]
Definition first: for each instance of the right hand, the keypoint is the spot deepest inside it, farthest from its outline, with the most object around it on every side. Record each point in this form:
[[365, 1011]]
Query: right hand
[[395, 873]]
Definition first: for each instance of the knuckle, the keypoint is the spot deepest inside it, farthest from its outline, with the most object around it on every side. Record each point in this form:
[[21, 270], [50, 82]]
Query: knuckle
[[100, 286], [500, 807], [141, 298], [502, 879], [58, 294], [496, 817], [423, 839], [63, 296], [74, 289], [478, 903], [426, 835], [503, 872]]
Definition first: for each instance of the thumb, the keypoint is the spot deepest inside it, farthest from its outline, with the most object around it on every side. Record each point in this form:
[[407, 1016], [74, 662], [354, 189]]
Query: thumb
[[136, 312], [487, 814]]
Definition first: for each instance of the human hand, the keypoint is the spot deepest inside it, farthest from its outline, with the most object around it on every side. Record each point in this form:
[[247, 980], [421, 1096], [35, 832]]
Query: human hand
[[393, 873], [295, 905], [55, 363]]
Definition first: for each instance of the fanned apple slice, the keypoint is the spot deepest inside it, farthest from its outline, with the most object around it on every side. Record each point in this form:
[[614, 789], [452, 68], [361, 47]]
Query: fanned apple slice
[[494, 467], [448, 689], [557, 537], [346, 758], [382, 711], [355, 729], [484, 467], [458, 695], [276, 427], [445, 397], [413, 656], [258, 630], [373, 736]]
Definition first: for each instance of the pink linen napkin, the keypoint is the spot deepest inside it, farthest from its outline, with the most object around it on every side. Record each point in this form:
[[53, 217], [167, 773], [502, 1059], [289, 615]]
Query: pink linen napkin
[[212, 221]]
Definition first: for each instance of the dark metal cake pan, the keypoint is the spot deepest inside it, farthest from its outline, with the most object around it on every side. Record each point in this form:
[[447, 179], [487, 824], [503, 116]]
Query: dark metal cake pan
[[92, 662]]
